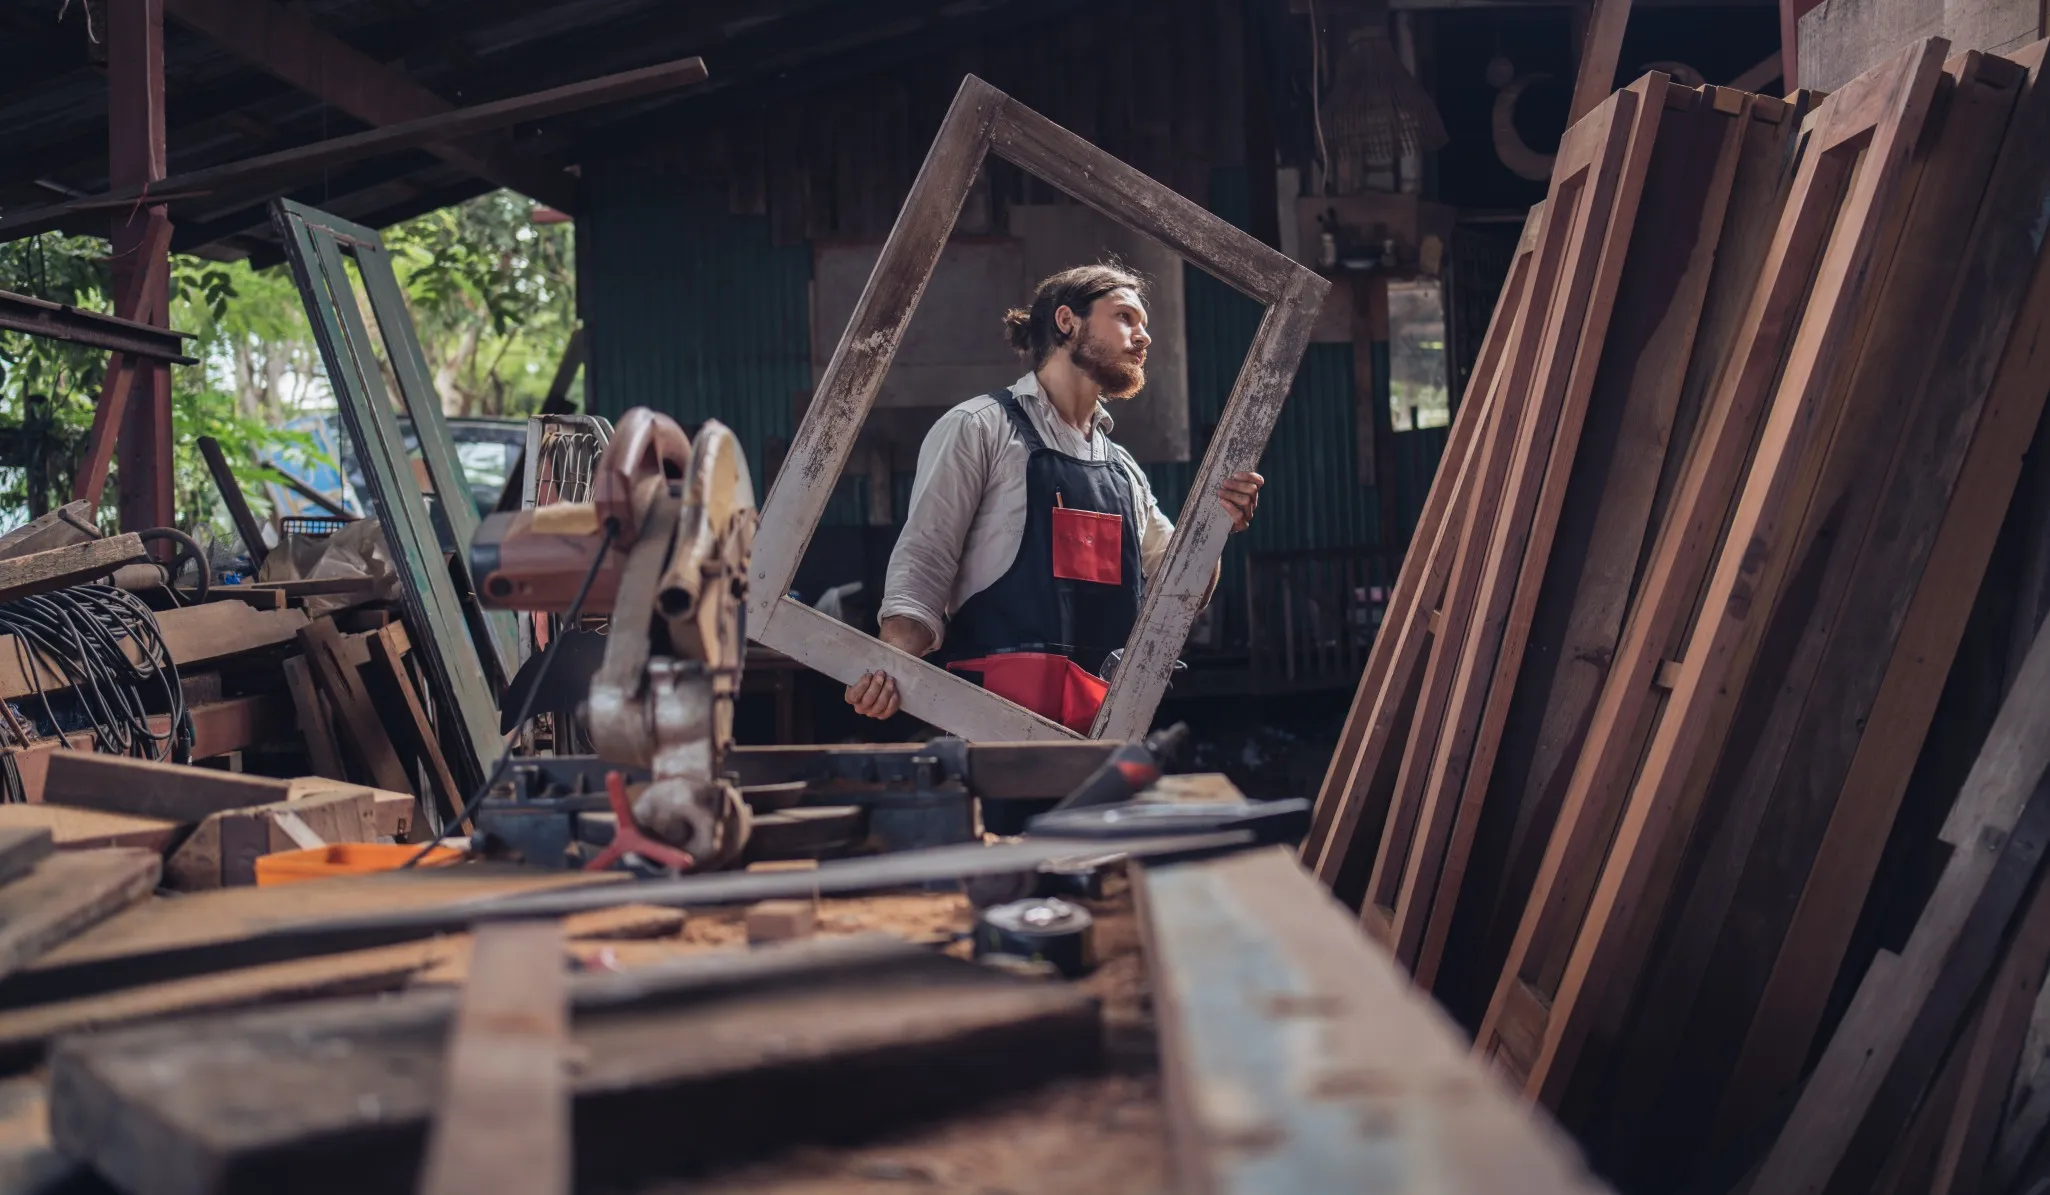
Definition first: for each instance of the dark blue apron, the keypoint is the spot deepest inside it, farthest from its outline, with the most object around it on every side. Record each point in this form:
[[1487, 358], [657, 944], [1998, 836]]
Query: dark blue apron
[[1074, 588]]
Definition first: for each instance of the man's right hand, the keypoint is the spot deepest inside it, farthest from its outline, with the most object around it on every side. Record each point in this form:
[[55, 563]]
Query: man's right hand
[[874, 696]]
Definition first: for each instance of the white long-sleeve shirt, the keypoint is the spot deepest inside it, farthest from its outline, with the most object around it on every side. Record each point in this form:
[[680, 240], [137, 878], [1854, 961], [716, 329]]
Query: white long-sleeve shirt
[[967, 512]]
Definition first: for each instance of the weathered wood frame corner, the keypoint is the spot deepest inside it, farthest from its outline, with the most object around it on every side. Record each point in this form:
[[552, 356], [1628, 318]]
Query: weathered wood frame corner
[[981, 120]]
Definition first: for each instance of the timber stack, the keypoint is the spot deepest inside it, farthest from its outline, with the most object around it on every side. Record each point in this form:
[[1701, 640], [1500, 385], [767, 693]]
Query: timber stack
[[1699, 766]]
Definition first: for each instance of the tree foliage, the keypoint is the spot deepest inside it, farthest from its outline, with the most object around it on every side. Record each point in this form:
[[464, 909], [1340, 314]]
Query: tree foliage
[[492, 297]]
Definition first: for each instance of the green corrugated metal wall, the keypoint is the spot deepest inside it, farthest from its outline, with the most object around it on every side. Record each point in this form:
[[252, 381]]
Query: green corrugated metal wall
[[692, 311]]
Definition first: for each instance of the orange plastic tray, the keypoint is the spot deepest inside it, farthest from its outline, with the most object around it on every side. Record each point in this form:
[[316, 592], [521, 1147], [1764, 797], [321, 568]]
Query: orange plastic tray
[[344, 858]]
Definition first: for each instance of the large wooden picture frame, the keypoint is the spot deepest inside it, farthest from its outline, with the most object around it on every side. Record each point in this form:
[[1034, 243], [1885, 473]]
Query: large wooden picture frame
[[455, 637], [981, 120]]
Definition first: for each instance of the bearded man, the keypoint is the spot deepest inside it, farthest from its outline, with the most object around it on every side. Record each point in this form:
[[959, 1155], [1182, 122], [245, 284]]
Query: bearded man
[[1030, 535]]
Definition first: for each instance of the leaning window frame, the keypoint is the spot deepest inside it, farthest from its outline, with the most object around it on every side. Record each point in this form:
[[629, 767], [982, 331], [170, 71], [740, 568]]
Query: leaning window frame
[[984, 120]]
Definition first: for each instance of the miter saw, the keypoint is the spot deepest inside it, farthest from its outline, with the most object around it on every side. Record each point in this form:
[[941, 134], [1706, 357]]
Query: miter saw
[[662, 549]]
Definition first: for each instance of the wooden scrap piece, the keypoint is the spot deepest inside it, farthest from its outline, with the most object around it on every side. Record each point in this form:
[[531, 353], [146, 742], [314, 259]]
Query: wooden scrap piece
[[89, 829], [504, 1122], [316, 720], [21, 848], [68, 524], [61, 568], [1827, 238], [231, 495], [780, 920], [1987, 1053], [66, 893], [222, 850], [355, 713], [144, 788], [26, 1032], [893, 1031], [1888, 1045], [416, 730], [1283, 1032]]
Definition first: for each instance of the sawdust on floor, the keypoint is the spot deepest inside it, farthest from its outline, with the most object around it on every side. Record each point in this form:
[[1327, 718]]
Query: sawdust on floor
[[1096, 1134]]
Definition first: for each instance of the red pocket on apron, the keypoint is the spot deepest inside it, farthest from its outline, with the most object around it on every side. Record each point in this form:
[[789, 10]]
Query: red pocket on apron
[[1088, 546]]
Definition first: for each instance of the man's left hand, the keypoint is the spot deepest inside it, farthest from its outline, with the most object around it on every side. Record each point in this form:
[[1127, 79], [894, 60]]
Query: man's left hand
[[1240, 495]]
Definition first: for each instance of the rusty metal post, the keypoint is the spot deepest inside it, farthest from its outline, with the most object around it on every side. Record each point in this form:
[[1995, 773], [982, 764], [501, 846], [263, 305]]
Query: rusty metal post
[[135, 158]]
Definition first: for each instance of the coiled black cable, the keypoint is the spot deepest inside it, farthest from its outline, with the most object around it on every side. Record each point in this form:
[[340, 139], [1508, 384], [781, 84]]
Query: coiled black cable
[[78, 636]]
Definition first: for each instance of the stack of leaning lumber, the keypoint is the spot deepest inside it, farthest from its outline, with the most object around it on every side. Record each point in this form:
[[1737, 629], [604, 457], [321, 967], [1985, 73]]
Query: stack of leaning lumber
[[1692, 770]]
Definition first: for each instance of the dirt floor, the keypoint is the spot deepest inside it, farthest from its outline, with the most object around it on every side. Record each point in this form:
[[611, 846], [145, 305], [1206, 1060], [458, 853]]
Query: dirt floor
[[1096, 1133]]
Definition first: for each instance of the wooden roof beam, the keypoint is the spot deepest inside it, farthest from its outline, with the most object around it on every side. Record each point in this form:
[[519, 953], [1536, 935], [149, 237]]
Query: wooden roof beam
[[286, 44], [293, 165]]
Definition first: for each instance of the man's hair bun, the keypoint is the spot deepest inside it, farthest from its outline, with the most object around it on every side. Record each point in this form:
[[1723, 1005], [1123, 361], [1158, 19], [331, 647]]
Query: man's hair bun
[[1032, 331]]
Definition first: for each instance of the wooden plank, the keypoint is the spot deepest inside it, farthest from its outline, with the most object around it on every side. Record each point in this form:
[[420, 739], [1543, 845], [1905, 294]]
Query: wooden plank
[[143, 788], [88, 829], [1826, 234], [222, 850], [252, 176], [288, 45], [926, 692], [61, 568], [1713, 178], [57, 529], [1518, 549], [67, 893], [873, 1021], [355, 713], [1348, 797], [239, 513], [316, 722], [25, 1033], [1990, 1050], [22, 846], [1886, 707], [1760, 816], [1894, 1032], [1281, 1026], [1601, 52], [504, 1119], [415, 728]]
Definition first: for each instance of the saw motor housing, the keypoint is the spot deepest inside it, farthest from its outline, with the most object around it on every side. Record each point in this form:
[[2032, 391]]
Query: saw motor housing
[[672, 577]]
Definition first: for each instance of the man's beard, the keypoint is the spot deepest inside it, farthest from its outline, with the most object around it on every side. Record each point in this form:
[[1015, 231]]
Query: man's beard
[[1117, 375]]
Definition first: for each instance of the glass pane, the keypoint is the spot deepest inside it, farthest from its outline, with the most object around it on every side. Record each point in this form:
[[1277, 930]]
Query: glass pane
[[1417, 361]]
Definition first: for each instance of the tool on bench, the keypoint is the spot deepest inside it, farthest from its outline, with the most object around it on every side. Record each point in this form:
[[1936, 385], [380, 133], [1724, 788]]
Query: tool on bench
[[1130, 770], [665, 542], [1042, 928]]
